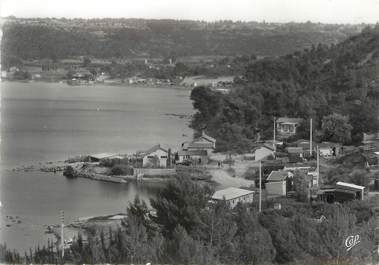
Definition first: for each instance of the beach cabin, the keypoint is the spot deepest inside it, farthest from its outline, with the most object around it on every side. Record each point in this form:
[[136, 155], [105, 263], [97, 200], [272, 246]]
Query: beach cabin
[[155, 157], [233, 196], [287, 127], [279, 182]]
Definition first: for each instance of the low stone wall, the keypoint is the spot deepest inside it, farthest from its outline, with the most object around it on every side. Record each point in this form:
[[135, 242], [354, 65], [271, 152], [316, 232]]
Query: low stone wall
[[151, 172]]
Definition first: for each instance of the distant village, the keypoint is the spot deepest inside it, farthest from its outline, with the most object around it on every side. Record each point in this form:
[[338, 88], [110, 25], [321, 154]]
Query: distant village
[[186, 72]]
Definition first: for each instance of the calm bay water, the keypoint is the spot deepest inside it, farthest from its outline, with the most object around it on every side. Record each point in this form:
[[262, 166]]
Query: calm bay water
[[50, 122]]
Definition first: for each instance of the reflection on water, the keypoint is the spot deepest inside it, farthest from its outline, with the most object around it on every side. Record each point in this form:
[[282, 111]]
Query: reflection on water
[[36, 199], [48, 122]]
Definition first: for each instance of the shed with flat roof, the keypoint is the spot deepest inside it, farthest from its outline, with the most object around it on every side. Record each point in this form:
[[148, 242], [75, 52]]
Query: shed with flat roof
[[233, 196]]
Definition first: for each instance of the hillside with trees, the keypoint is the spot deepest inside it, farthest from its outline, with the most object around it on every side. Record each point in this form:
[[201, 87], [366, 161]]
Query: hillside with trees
[[336, 85], [184, 229], [54, 38]]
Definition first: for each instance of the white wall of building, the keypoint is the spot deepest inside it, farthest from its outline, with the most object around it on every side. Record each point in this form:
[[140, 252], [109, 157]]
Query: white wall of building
[[276, 188], [162, 157]]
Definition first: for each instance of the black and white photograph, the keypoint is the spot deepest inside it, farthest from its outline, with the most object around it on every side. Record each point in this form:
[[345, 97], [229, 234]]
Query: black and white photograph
[[189, 132]]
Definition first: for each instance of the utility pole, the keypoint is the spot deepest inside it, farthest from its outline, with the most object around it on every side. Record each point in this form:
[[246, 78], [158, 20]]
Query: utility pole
[[310, 138], [62, 234], [318, 166], [260, 186], [274, 142]]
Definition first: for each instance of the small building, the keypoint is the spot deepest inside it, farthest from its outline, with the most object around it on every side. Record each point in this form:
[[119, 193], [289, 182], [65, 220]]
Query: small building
[[357, 190], [341, 192], [100, 156], [233, 196], [263, 152], [295, 154], [305, 144], [102, 77], [287, 127], [204, 142], [279, 183], [313, 175], [329, 149], [155, 157], [199, 157], [82, 75]]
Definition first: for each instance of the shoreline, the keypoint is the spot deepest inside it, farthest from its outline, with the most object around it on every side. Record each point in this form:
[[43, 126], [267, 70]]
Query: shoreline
[[219, 177], [118, 84]]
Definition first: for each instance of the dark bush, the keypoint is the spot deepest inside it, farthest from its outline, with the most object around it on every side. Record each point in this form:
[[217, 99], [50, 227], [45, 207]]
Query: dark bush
[[118, 170], [69, 172]]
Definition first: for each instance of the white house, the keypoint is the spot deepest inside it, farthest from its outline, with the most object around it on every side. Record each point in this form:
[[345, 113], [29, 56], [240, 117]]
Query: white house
[[233, 196], [278, 182], [154, 157]]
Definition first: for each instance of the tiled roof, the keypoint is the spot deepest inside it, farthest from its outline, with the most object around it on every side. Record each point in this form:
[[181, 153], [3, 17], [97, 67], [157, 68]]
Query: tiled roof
[[349, 185], [102, 155], [207, 137], [328, 145], [200, 145], [193, 153], [277, 176], [151, 150], [289, 120], [230, 193], [295, 150]]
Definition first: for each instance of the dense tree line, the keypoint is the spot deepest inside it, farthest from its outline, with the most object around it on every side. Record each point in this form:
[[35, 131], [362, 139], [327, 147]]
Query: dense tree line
[[183, 228], [62, 38], [335, 85]]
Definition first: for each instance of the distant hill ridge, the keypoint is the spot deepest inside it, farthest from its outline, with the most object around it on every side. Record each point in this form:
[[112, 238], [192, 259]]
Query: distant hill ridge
[[315, 83], [36, 38]]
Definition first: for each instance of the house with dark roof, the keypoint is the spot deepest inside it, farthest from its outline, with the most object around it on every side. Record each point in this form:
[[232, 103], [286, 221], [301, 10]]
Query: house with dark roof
[[287, 127], [278, 183], [156, 156]]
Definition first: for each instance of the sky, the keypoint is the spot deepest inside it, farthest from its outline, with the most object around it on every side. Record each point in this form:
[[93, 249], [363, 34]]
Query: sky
[[324, 11]]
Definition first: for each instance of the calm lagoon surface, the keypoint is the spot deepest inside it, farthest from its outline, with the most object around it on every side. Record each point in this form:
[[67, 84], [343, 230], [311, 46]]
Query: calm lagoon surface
[[43, 122]]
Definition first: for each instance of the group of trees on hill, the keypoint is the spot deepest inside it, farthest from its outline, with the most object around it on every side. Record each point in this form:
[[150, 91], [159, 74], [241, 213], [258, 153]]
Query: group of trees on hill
[[185, 229], [335, 85], [62, 38]]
